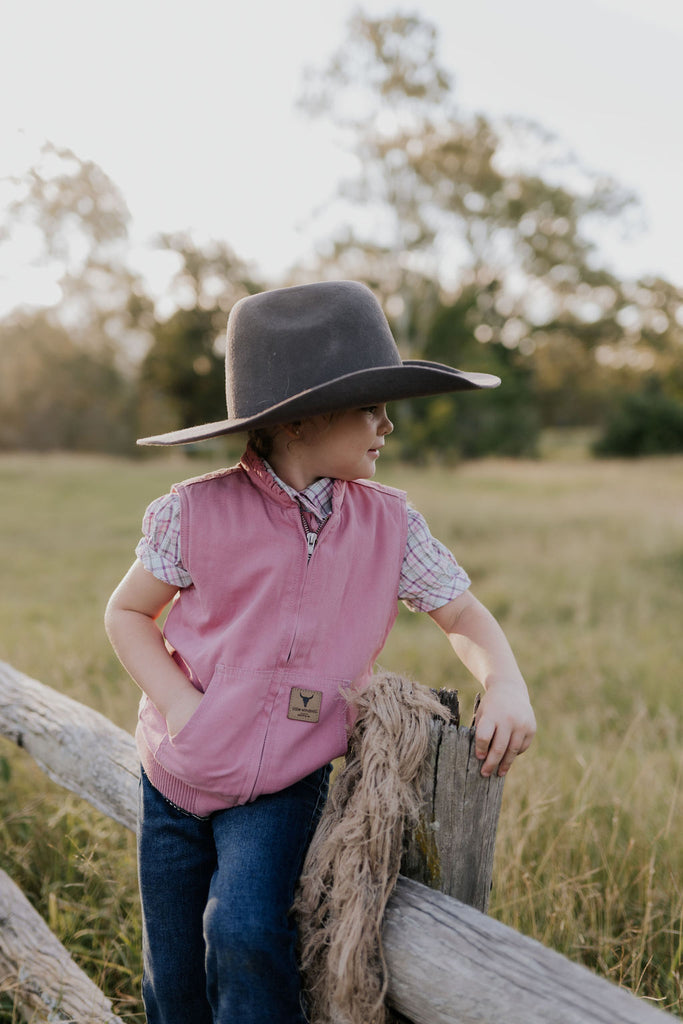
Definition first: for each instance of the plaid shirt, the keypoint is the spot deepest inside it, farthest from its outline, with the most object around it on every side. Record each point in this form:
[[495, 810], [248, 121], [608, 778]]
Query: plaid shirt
[[430, 575]]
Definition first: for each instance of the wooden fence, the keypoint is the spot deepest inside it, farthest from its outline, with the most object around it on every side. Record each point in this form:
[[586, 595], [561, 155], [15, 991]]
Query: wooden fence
[[448, 962]]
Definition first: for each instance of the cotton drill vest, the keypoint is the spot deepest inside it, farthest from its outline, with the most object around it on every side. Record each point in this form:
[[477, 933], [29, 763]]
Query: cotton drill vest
[[271, 633]]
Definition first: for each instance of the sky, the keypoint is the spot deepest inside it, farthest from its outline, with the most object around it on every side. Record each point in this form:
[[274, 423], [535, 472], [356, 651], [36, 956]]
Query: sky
[[190, 107]]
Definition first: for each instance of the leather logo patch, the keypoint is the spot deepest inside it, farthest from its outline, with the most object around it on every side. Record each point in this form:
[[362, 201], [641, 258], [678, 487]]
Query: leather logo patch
[[304, 705]]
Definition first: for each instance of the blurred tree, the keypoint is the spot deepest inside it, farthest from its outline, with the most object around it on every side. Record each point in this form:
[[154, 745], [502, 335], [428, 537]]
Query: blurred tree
[[78, 222], [496, 221], [67, 370], [644, 422], [506, 421], [182, 377], [56, 395], [71, 202], [448, 197], [101, 352]]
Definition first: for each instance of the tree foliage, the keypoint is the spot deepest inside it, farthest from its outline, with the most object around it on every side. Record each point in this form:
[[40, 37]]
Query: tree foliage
[[503, 421], [478, 238], [56, 395], [645, 422], [181, 377], [449, 194], [80, 225], [71, 202], [496, 222]]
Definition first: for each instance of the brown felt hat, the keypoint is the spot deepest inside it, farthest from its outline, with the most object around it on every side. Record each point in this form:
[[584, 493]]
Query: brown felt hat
[[315, 348]]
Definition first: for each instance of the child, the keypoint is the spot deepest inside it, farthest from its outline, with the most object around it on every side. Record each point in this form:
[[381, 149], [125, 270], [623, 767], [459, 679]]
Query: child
[[284, 572]]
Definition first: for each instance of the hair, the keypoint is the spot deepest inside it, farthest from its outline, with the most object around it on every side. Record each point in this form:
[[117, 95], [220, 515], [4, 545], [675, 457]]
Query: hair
[[261, 440]]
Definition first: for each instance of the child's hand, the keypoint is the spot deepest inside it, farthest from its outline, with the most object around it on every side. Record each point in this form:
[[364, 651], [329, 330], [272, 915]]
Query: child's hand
[[504, 727], [182, 709]]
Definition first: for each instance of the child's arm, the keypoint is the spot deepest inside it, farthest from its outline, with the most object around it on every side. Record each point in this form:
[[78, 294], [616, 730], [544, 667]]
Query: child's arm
[[130, 621], [505, 723]]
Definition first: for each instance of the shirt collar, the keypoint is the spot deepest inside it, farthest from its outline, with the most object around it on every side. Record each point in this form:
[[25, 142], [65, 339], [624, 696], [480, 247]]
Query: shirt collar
[[316, 499]]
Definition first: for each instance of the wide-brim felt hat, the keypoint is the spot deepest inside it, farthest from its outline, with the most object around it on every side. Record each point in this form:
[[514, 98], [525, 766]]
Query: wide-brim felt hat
[[315, 348]]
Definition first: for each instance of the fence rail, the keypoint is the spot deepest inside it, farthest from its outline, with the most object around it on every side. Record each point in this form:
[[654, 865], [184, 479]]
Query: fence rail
[[448, 962]]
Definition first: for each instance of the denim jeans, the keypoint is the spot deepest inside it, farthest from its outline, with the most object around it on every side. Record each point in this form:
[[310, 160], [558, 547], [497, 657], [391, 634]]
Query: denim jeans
[[219, 944]]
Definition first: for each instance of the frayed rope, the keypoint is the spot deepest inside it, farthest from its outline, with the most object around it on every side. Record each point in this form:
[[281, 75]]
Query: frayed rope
[[354, 859]]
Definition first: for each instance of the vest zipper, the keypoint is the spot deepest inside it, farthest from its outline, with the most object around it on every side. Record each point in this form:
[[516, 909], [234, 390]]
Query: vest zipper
[[311, 540], [311, 535]]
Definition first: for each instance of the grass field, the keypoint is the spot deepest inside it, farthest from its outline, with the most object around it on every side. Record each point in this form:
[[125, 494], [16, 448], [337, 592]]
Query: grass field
[[581, 561]]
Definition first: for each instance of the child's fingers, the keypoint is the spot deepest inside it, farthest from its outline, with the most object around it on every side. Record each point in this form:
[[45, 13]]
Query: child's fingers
[[483, 735], [499, 749], [502, 732], [497, 752], [517, 744]]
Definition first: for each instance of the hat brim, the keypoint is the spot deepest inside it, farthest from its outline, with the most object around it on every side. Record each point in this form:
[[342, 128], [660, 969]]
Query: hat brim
[[412, 379]]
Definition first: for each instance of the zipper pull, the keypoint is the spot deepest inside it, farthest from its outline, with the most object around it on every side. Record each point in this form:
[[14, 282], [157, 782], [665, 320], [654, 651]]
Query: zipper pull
[[311, 539]]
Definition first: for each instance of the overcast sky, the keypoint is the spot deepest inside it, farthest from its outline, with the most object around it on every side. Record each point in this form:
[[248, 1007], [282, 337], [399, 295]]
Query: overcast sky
[[190, 106]]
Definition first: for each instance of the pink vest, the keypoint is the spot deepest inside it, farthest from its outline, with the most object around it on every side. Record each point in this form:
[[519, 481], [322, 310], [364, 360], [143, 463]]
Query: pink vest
[[271, 634]]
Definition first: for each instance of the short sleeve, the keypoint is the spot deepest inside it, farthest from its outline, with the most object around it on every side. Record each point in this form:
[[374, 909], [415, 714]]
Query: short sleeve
[[430, 576], [159, 546]]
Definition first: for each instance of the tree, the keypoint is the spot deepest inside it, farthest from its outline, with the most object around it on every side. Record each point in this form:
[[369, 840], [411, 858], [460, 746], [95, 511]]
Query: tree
[[56, 395], [67, 369], [80, 222], [446, 199], [497, 220], [505, 421], [69, 372], [646, 422], [181, 377]]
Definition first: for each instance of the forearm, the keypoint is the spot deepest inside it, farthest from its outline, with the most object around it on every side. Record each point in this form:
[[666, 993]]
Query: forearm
[[481, 645], [140, 648], [505, 722], [131, 624]]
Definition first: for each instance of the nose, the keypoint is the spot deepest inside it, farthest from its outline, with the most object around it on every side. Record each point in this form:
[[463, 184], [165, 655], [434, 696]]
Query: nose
[[386, 426]]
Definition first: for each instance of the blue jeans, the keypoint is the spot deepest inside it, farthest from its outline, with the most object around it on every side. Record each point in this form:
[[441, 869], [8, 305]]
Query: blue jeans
[[219, 944]]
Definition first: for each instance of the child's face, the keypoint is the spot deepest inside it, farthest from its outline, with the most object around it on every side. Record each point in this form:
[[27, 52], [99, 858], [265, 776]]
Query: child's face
[[347, 445]]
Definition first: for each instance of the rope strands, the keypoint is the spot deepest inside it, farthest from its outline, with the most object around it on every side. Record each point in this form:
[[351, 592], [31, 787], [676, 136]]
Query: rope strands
[[354, 859]]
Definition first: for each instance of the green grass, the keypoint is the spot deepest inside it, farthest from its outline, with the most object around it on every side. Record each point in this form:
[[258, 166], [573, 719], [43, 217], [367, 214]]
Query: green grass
[[581, 561]]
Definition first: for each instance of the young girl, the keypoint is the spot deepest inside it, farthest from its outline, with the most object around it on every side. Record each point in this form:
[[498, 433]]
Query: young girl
[[284, 572]]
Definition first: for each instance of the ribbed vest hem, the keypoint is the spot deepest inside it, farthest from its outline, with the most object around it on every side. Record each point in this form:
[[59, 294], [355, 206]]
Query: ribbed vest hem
[[188, 798]]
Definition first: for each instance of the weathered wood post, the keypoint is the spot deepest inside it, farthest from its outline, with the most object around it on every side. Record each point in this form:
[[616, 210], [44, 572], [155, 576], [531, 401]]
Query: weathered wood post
[[452, 847]]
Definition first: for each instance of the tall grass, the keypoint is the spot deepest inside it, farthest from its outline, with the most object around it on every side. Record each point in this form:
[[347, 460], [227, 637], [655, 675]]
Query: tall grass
[[582, 563]]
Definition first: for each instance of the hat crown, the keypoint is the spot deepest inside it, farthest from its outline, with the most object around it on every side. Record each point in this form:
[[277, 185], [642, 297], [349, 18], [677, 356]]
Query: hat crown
[[315, 348], [284, 342]]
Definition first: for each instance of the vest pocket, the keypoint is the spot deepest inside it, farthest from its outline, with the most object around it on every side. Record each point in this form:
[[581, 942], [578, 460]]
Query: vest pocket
[[258, 731], [307, 729], [216, 750]]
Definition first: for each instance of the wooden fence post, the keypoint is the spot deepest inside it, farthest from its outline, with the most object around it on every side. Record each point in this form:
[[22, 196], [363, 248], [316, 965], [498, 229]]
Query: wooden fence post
[[452, 847]]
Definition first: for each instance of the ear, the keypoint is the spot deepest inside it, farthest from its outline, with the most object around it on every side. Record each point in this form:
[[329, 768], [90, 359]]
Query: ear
[[293, 429]]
